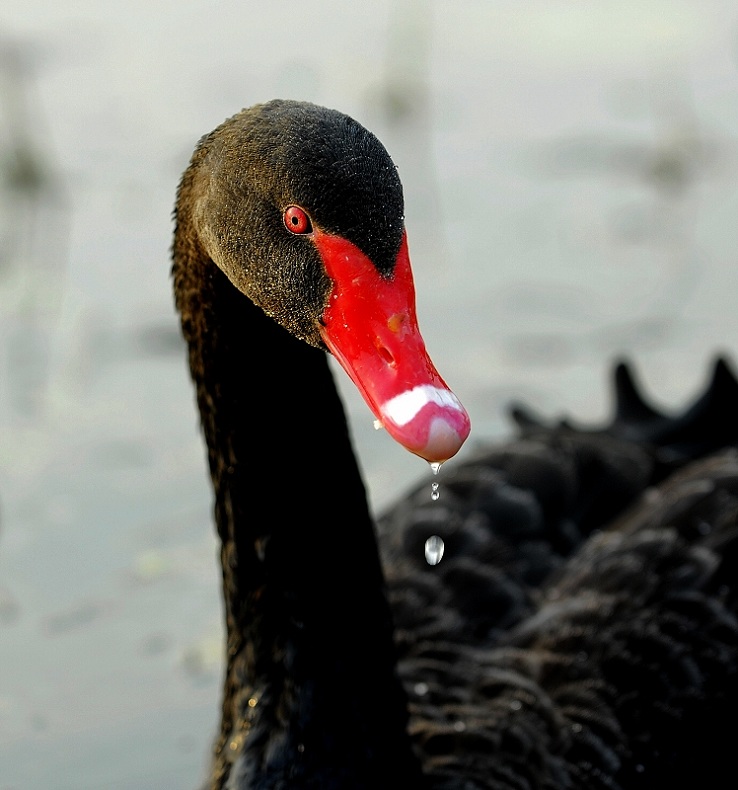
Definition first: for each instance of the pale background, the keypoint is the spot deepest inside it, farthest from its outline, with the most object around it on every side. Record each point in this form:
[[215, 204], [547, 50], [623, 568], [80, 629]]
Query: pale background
[[570, 178]]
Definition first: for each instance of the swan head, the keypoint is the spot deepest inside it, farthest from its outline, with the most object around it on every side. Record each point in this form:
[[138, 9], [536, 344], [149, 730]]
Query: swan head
[[302, 208]]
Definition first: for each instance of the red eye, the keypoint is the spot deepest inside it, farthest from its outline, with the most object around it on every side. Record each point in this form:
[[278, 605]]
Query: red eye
[[297, 221]]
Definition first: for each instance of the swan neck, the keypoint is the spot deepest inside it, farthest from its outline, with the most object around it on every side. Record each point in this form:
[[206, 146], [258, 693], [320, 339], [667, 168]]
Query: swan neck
[[304, 600]]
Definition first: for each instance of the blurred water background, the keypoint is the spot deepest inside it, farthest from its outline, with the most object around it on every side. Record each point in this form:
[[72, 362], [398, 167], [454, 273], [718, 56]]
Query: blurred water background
[[570, 179]]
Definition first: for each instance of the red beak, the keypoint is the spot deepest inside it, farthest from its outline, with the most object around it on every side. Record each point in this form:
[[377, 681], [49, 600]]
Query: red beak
[[371, 328]]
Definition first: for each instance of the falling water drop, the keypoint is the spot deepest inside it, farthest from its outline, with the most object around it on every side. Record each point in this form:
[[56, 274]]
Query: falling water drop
[[435, 468], [434, 545], [434, 549]]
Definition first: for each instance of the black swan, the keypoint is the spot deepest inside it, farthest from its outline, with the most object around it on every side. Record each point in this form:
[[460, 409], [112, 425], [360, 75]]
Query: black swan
[[580, 631]]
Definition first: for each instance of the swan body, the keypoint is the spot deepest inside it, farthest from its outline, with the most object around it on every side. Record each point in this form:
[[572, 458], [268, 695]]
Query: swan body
[[581, 630]]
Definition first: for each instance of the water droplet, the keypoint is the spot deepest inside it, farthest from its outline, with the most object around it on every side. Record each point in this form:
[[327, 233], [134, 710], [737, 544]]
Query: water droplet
[[434, 550], [435, 493], [435, 466], [235, 745]]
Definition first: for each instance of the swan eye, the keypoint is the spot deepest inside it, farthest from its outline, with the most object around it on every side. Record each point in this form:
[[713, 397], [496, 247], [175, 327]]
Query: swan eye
[[297, 221]]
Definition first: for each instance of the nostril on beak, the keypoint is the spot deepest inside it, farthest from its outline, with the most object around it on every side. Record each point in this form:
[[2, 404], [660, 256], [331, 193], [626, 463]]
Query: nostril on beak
[[386, 354]]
